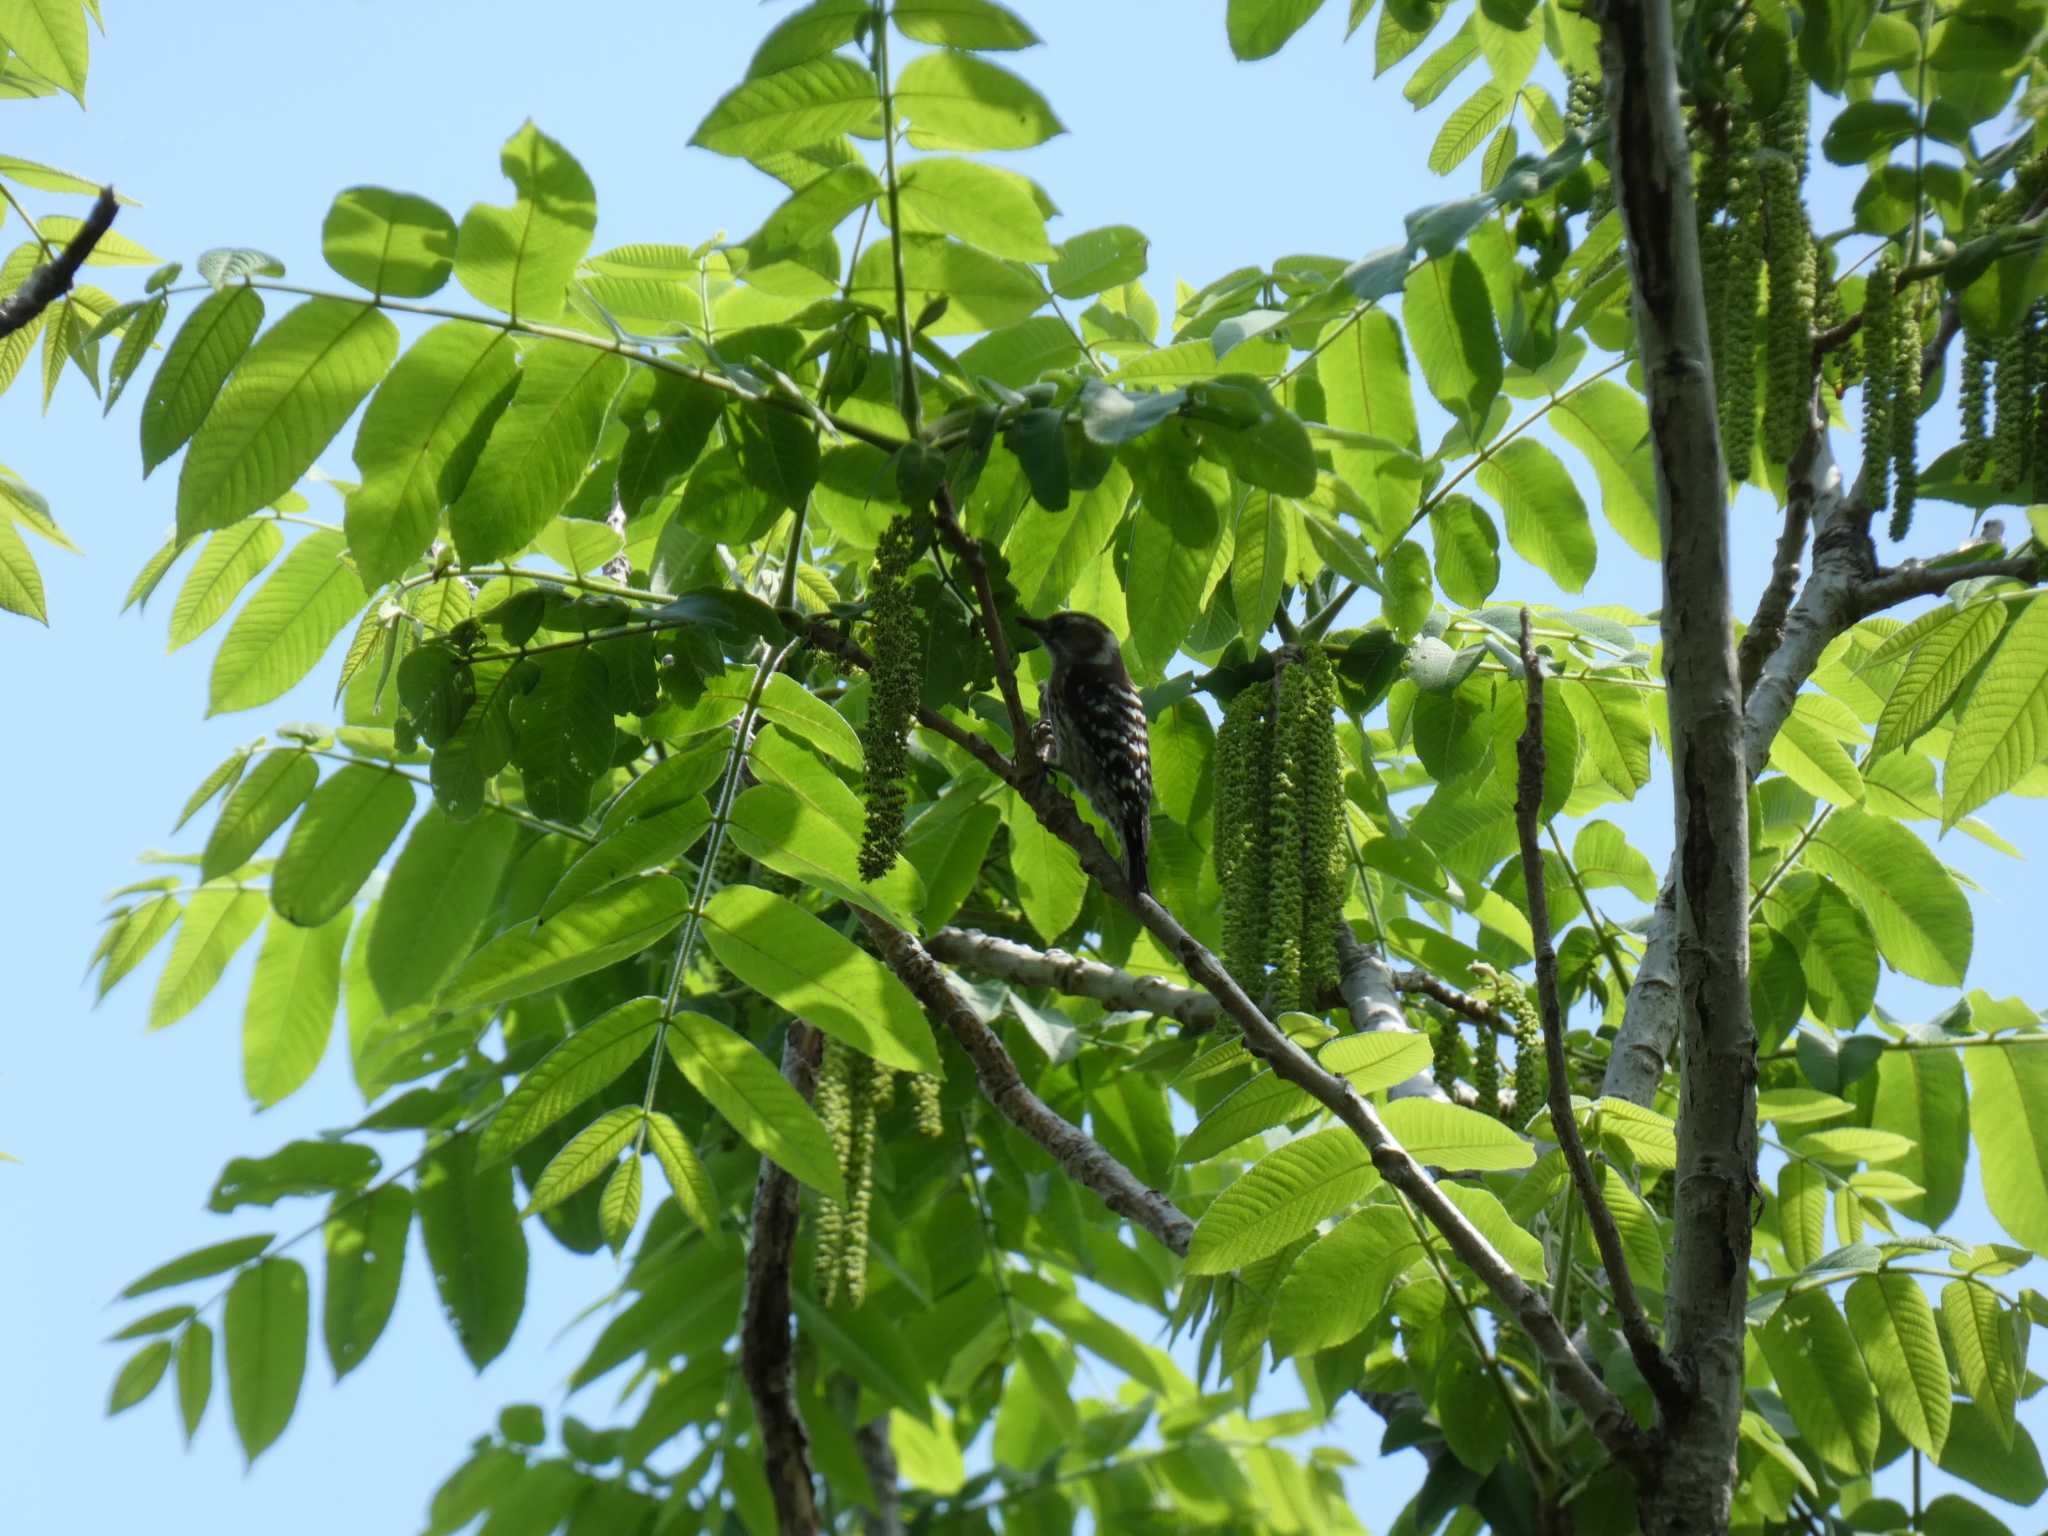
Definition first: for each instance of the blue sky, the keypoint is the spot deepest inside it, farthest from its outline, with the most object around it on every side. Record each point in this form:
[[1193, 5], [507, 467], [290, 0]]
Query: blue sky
[[235, 123]]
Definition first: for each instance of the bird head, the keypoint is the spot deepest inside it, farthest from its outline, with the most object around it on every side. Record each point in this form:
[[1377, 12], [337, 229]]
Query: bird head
[[1075, 637]]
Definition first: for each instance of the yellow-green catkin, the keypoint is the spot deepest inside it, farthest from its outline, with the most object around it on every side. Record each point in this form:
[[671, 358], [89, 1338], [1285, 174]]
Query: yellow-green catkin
[[1881, 349], [1729, 207], [1906, 412], [1449, 1060], [924, 1100], [1285, 884], [898, 644], [1244, 759], [832, 1098], [1976, 394], [1788, 259], [852, 1091]]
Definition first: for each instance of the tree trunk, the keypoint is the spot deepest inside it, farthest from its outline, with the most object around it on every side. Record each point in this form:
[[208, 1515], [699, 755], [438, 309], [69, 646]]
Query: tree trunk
[[1716, 1175]]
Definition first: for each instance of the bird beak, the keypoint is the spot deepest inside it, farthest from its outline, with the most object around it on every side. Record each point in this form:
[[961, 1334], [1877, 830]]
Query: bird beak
[[1036, 626]]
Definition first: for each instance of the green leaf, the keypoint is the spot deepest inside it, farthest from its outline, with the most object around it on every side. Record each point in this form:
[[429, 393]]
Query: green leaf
[[1467, 548], [1409, 597], [592, 1058], [1837, 952], [609, 925], [1522, 1250], [2003, 730], [284, 629], [1450, 324], [1821, 1377], [421, 438], [1279, 1198], [440, 890], [974, 24], [393, 243], [1097, 259], [984, 205], [229, 561], [1340, 1282], [1810, 753], [348, 824], [49, 38], [291, 1006], [1916, 909], [519, 260], [2005, 1082], [2011, 1472], [230, 266], [618, 1210], [1982, 1336], [538, 450], [1614, 729], [1894, 1325], [207, 346], [265, 1325], [153, 571], [218, 920], [795, 831], [816, 973], [199, 1264], [1939, 665], [1050, 883], [792, 108], [297, 1168], [1802, 1213], [163, 1320], [645, 843], [1607, 423], [1258, 29], [136, 340], [982, 292], [1257, 1105], [692, 1186], [586, 1155], [1447, 1136], [195, 1375], [300, 382], [1547, 522], [755, 1099], [957, 101], [21, 582], [1467, 127], [133, 936], [1604, 858], [563, 726], [475, 1244], [811, 213], [365, 1237], [139, 1375]]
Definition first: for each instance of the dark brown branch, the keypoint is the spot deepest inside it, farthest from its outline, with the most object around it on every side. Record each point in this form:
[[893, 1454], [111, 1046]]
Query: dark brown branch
[[1657, 1370], [1767, 627], [1463, 1004], [1903, 583], [767, 1362], [53, 279], [1082, 1158]]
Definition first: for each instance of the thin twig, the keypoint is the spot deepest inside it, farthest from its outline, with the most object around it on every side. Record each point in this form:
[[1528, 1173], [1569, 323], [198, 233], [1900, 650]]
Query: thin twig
[[1657, 1370], [53, 279], [968, 551]]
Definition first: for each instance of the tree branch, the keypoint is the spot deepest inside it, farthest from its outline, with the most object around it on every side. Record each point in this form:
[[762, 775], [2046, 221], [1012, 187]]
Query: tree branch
[[989, 955], [878, 1456], [1373, 1000], [1081, 1157], [969, 554], [767, 1361], [53, 279], [1657, 1370]]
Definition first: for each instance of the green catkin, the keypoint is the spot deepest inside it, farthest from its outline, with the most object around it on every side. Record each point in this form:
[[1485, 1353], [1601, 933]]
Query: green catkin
[[1788, 258], [1486, 1072], [1285, 884], [1975, 388], [1319, 766], [924, 1100], [2012, 399], [1447, 1044], [1880, 347], [1243, 846], [1735, 365], [898, 644], [874, 1088], [1906, 414]]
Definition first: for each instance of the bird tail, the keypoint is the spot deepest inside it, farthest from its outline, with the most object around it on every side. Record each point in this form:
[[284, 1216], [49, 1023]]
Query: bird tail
[[1137, 835]]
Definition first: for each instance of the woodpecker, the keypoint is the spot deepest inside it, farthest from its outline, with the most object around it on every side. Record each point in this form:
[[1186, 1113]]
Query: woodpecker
[[1095, 721]]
